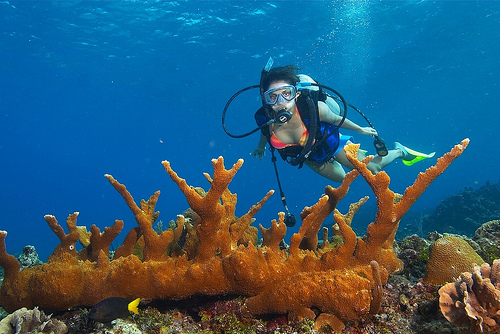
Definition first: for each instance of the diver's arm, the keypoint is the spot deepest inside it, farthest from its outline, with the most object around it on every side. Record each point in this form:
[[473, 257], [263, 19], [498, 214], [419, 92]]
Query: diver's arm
[[350, 125], [260, 150], [328, 116]]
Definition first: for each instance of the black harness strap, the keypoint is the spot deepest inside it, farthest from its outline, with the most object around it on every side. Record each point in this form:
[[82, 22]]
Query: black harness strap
[[313, 123], [289, 218]]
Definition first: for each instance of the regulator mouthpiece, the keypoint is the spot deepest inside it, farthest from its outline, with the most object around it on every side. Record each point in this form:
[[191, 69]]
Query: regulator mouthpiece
[[283, 116]]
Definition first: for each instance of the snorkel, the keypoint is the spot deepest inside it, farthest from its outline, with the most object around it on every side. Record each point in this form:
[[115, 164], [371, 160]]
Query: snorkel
[[263, 75]]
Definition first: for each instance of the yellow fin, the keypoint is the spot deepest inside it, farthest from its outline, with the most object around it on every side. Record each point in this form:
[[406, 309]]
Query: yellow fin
[[132, 306], [411, 156], [419, 154]]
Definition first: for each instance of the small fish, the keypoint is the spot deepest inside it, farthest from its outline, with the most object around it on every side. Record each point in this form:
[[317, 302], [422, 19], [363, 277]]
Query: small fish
[[109, 309]]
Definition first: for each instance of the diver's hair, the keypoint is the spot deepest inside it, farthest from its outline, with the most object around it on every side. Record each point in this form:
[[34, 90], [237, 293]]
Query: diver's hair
[[283, 73]]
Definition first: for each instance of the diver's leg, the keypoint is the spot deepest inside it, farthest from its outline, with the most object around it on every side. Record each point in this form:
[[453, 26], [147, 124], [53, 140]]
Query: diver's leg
[[375, 165], [332, 170], [341, 157], [378, 163]]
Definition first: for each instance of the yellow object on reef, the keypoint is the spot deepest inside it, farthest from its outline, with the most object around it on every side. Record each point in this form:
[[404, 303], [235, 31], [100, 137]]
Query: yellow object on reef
[[342, 282], [411, 157], [132, 306]]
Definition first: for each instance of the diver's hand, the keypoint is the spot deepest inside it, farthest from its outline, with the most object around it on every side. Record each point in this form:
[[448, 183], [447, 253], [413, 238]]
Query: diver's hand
[[368, 131], [259, 153]]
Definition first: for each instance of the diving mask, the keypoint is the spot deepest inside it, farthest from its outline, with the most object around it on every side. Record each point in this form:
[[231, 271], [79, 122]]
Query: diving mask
[[280, 95]]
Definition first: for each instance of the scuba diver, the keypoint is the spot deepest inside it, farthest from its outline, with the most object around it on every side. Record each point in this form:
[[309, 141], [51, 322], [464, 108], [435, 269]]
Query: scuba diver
[[299, 114], [301, 120]]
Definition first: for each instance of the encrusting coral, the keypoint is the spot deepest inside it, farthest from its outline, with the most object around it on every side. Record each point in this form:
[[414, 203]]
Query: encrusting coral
[[343, 282], [474, 299]]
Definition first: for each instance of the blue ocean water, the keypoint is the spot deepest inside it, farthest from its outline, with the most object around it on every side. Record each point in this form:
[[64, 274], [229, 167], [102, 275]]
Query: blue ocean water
[[95, 87]]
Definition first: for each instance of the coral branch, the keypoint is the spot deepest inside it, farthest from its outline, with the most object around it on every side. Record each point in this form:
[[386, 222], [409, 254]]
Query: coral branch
[[238, 228], [326, 243], [69, 240], [125, 194], [353, 208], [343, 255], [8, 262], [154, 245], [317, 212], [425, 179], [101, 241], [381, 233], [335, 195], [377, 292], [212, 213], [310, 239], [273, 236], [128, 243]]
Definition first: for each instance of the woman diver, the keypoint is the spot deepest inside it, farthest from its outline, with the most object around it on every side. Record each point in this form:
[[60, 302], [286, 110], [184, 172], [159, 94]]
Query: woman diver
[[296, 119]]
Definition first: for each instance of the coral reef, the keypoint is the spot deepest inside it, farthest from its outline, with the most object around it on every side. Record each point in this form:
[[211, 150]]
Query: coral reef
[[29, 257], [342, 282], [25, 321], [474, 299], [407, 308], [414, 252], [464, 212], [487, 236], [450, 256]]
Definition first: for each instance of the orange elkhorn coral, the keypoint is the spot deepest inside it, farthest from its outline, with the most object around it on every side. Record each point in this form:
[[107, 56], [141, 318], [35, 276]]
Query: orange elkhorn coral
[[217, 254]]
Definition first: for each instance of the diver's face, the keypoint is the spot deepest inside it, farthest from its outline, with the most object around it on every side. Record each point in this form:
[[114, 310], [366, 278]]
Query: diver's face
[[283, 98]]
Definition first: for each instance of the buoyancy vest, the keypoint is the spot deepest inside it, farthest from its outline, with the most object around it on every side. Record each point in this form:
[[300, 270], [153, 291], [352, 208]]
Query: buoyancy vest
[[321, 150]]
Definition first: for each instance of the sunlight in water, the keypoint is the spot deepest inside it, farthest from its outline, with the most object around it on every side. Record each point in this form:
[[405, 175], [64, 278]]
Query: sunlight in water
[[345, 45]]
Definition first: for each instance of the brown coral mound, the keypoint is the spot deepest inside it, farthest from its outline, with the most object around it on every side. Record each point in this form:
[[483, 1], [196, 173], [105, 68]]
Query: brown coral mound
[[342, 282], [450, 256], [474, 299]]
